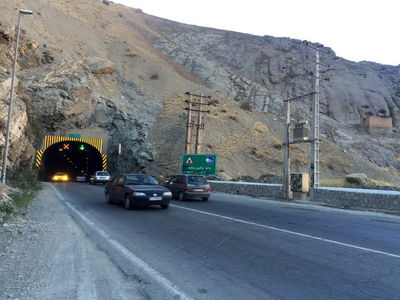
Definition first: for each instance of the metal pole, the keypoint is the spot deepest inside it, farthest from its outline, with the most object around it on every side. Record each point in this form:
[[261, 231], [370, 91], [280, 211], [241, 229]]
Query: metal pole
[[10, 105], [189, 126], [287, 192], [314, 168], [119, 155], [199, 127]]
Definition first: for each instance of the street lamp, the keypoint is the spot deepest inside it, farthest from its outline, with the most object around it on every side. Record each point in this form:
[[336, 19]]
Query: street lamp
[[5, 154]]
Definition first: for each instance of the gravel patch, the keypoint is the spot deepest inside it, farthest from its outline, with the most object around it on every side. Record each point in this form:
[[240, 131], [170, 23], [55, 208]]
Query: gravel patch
[[45, 255]]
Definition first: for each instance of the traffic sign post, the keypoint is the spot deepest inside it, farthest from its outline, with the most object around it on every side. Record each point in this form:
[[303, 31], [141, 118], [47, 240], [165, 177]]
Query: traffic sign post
[[199, 164]]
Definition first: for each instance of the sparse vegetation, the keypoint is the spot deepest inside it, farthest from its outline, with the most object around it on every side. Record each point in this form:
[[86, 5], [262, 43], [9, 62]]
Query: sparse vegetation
[[25, 186], [378, 182], [336, 182], [277, 146], [7, 208]]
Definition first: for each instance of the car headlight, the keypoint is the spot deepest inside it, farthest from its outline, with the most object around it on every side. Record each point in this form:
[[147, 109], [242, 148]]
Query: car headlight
[[139, 194], [167, 194]]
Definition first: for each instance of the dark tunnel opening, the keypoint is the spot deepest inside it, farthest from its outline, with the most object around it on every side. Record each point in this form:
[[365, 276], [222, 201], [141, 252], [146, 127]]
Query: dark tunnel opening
[[72, 157]]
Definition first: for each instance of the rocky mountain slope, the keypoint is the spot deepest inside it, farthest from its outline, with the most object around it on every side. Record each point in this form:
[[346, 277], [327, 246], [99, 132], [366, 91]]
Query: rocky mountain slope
[[91, 63]]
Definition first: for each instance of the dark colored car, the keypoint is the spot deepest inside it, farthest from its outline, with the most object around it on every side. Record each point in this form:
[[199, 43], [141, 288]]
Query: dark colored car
[[135, 190], [189, 187], [99, 177]]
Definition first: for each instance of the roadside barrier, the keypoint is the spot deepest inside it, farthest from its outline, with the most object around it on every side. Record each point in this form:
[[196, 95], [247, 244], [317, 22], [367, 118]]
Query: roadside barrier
[[361, 199]]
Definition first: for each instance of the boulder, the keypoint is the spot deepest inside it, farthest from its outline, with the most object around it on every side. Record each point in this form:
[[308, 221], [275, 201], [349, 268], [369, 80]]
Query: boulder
[[245, 178], [357, 178], [98, 65], [271, 178]]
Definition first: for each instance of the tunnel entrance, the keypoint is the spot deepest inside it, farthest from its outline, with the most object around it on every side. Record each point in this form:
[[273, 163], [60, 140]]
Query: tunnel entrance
[[73, 157]]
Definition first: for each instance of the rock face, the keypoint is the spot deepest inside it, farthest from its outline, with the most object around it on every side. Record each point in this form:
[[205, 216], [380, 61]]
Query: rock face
[[123, 71], [71, 97], [265, 70]]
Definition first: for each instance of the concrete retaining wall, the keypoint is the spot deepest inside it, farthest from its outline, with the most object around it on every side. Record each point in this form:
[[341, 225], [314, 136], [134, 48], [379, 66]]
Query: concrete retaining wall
[[247, 188], [358, 198], [379, 200]]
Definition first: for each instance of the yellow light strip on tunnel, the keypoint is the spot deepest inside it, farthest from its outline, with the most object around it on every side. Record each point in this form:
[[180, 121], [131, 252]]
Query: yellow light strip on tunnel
[[104, 159], [39, 154], [50, 140]]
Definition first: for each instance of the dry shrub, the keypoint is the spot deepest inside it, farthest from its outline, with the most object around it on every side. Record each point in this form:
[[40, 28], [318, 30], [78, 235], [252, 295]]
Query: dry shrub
[[234, 118], [247, 106], [260, 127]]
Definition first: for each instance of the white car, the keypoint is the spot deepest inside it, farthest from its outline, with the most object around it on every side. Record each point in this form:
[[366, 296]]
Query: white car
[[81, 178], [99, 177]]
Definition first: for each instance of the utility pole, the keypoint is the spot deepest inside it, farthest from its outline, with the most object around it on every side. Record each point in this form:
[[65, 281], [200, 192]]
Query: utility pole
[[287, 192], [314, 166], [189, 125], [195, 104], [10, 104], [200, 127], [315, 140]]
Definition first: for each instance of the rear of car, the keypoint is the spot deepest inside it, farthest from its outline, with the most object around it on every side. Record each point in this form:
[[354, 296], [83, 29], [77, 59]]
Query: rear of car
[[80, 178], [190, 187], [99, 177]]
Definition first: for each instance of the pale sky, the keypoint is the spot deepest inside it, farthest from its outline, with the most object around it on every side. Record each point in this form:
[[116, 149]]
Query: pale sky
[[355, 29]]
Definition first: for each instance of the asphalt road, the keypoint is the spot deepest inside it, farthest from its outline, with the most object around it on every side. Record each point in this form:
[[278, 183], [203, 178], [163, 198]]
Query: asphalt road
[[238, 247]]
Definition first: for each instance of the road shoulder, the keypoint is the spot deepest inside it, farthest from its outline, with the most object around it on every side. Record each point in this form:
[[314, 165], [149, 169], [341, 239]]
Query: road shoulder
[[45, 255]]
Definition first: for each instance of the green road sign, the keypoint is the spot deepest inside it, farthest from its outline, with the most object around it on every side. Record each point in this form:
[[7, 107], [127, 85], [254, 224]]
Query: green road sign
[[74, 135], [199, 164]]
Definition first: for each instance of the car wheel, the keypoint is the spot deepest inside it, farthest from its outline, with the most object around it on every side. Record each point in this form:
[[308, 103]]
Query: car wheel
[[205, 198], [164, 206], [181, 197], [90, 182], [108, 198], [127, 202]]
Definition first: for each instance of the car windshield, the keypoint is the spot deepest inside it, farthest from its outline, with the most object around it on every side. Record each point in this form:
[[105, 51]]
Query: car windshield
[[102, 174], [197, 180], [139, 179]]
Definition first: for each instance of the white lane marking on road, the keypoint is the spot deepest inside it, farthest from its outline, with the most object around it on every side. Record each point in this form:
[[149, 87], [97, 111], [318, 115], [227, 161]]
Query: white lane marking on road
[[57, 192], [168, 285], [289, 232]]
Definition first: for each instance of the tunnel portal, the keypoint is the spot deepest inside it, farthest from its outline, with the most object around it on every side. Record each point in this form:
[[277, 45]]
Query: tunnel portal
[[72, 157]]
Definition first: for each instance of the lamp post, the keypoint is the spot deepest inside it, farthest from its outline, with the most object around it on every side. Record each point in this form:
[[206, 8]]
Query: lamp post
[[6, 144]]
